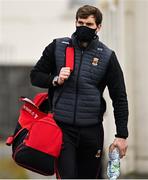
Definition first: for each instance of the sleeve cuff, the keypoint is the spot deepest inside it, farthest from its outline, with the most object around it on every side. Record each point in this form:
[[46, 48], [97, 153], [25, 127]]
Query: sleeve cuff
[[55, 81], [120, 136], [51, 80]]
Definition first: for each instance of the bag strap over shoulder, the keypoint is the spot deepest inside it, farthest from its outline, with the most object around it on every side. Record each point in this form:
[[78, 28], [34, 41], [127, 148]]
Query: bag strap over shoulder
[[69, 51], [69, 62], [70, 56]]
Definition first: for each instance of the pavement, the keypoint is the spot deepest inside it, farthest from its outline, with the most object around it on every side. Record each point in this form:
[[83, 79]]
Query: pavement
[[5, 151]]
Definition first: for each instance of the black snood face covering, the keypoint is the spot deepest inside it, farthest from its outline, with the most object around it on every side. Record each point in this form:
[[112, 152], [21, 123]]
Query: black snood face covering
[[85, 34]]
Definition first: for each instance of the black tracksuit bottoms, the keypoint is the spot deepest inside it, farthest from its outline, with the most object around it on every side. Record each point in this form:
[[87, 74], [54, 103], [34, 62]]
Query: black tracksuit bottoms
[[80, 157]]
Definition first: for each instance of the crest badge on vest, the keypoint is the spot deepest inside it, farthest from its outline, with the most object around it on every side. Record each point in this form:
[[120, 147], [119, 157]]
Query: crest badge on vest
[[95, 61]]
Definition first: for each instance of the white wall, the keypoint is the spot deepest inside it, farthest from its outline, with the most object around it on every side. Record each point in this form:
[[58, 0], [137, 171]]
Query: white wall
[[27, 26], [141, 85]]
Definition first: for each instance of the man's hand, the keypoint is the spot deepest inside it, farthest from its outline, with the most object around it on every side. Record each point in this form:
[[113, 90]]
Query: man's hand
[[63, 75], [121, 144]]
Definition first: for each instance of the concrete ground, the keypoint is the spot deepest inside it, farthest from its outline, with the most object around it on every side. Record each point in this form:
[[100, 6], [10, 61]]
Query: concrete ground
[[10, 170]]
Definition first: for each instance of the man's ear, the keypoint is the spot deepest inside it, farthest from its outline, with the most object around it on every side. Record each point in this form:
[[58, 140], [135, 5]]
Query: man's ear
[[98, 28]]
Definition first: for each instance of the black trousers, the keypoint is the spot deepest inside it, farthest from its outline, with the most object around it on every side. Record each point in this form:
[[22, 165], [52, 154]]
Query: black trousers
[[80, 157]]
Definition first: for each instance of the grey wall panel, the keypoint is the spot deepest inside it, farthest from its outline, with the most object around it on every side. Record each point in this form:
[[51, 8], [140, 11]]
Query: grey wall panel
[[14, 82]]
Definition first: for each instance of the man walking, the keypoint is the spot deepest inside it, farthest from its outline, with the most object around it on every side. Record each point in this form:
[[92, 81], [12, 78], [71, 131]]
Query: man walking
[[78, 103]]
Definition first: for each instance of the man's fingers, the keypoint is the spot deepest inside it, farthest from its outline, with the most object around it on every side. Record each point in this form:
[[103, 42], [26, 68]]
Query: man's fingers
[[64, 73], [65, 69], [112, 147], [121, 144], [62, 79], [122, 152], [64, 76]]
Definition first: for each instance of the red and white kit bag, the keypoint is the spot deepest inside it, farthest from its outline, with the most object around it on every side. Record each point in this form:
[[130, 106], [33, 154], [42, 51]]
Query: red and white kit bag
[[37, 141]]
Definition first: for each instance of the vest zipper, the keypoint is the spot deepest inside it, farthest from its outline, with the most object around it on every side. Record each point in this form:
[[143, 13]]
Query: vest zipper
[[75, 108]]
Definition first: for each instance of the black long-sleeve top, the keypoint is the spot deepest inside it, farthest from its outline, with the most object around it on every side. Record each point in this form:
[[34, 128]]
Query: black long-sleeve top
[[45, 69]]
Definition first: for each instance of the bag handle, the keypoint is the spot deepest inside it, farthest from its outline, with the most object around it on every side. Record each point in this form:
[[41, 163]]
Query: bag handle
[[27, 100], [38, 99]]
